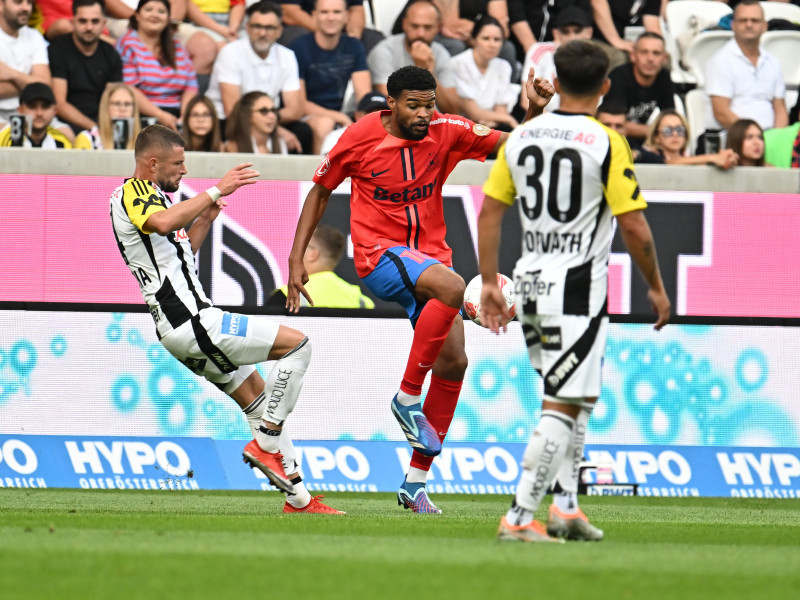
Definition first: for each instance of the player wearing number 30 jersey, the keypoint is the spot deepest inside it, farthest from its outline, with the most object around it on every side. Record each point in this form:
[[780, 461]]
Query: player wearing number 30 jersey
[[571, 175]]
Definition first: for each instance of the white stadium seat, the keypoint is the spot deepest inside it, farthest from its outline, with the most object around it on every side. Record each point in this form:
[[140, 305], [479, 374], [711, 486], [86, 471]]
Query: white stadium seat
[[696, 102], [385, 12], [781, 10], [703, 47], [785, 45], [684, 19]]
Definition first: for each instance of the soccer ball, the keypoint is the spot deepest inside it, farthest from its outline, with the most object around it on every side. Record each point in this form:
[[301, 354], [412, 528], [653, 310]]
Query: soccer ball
[[472, 297]]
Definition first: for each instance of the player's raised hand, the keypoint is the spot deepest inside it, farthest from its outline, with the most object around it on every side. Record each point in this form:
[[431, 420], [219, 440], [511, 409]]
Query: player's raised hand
[[539, 91], [298, 277], [494, 312], [237, 177], [661, 306]]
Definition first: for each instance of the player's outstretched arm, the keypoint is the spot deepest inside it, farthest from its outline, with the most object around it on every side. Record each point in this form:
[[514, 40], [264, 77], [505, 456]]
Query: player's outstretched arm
[[638, 240], [539, 91], [232, 180], [313, 207], [183, 213], [493, 306]]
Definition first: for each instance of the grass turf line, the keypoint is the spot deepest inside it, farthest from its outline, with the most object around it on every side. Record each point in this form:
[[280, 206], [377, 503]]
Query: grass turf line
[[156, 544]]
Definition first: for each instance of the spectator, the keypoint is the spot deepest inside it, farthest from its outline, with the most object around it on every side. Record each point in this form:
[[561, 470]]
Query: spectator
[[746, 138], [669, 137], [56, 19], [223, 17], [743, 80], [200, 43], [483, 80], [643, 86], [155, 64], [782, 146], [458, 19], [201, 128], [328, 61], [253, 126], [117, 102], [371, 102], [259, 63], [321, 257], [23, 54], [571, 23], [611, 17], [532, 21], [82, 66], [614, 117], [298, 20], [38, 107], [416, 46]]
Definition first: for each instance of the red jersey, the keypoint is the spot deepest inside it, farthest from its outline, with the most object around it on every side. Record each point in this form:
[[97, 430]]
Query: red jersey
[[396, 184]]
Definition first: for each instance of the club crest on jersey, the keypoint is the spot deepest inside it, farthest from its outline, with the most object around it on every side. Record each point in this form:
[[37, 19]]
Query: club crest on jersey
[[432, 162], [233, 324], [481, 130], [323, 167]]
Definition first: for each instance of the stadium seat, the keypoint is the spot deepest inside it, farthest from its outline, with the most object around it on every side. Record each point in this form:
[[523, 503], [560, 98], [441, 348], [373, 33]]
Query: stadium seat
[[385, 12], [696, 104], [781, 10], [368, 20], [785, 45], [686, 18], [703, 47]]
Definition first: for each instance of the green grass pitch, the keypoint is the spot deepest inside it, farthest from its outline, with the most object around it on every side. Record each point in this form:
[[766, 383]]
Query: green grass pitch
[[64, 544]]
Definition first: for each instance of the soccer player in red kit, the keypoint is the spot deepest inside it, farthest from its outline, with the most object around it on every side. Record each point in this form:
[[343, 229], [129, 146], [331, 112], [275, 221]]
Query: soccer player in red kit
[[398, 161]]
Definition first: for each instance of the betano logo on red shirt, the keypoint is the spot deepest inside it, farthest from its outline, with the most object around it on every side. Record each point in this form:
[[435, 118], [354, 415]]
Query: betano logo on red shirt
[[407, 195]]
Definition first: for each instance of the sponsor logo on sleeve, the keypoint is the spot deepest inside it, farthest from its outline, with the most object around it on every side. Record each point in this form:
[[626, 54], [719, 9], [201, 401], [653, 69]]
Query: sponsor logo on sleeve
[[481, 130], [323, 167]]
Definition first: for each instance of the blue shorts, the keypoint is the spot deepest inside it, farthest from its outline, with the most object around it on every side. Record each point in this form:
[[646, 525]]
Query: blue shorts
[[395, 277]]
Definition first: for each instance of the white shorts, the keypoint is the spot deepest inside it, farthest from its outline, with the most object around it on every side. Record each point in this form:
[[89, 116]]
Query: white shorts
[[222, 346], [567, 351]]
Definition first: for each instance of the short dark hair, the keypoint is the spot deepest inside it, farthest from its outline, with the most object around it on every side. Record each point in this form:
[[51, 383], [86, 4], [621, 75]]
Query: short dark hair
[[485, 21], [611, 108], [409, 78], [157, 136], [581, 67], [76, 4], [332, 242], [651, 35], [265, 7], [748, 3]]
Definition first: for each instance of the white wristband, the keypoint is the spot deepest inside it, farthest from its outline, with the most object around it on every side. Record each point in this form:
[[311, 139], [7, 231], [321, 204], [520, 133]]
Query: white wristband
[[214, 193]]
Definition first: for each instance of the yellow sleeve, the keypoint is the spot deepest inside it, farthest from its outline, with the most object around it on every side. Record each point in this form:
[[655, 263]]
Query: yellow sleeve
[[83, 141], [621, 187], [141, 201], [500, 184], [5, 136]]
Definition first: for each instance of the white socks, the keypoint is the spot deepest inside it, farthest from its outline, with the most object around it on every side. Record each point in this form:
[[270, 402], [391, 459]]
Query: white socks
[[416, 475], [543, 457], [407, 399], [284, 383], [569, 473]]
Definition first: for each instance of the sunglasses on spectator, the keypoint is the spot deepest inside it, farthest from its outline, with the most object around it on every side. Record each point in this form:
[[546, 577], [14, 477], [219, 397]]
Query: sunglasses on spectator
[[669, 131], [265, 111]]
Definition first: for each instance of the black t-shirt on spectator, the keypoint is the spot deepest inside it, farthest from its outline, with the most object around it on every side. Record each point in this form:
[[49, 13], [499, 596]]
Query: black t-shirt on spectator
[[86, 76], [628, 12], [541, 14], [640, 101]]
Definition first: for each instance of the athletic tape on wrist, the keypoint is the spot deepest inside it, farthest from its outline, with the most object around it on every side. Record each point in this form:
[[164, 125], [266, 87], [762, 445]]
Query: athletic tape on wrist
[[214, 193]]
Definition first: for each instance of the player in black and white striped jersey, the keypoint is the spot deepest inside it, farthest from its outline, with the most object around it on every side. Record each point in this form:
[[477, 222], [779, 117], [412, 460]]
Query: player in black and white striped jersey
[[222, 347]]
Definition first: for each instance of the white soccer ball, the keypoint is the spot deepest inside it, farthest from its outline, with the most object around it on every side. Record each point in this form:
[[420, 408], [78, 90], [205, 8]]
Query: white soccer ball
[[472, 297]]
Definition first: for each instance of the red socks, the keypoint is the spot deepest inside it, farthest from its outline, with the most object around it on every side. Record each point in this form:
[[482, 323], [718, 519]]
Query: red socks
[[439, 408], [431, 331]]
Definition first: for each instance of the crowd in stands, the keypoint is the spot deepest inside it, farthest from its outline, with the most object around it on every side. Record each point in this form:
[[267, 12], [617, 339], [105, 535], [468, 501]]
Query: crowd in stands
[[287, 76]]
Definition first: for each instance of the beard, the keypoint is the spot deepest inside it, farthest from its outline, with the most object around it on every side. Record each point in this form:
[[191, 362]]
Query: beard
[[168, 186], [412, 134]]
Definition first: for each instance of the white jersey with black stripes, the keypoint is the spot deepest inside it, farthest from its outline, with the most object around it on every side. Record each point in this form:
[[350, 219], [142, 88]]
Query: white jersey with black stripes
[[163, 266]]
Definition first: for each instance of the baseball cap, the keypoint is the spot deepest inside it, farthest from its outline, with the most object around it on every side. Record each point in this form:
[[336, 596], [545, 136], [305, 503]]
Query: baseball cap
[[572, 15], [372, 102], [36, 91]]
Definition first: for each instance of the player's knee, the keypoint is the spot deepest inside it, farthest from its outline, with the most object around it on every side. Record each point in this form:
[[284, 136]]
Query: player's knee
[[453, 291], [301, 352], [452, 365]]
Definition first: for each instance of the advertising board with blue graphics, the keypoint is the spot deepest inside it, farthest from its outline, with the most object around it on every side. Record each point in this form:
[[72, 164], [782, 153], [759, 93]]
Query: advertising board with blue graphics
[[479, 468]]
